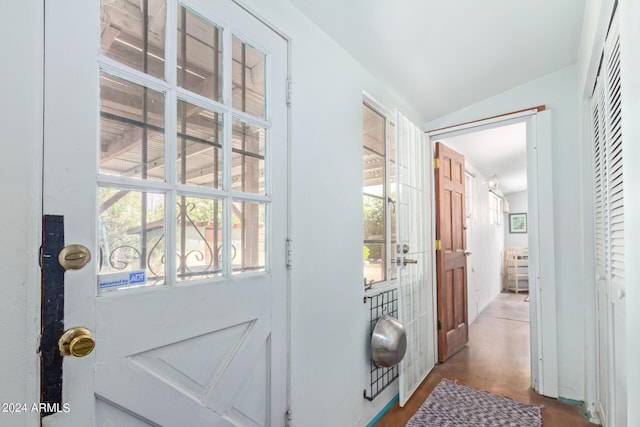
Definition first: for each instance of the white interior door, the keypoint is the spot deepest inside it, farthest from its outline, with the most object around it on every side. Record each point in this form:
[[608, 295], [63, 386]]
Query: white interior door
[[165, 151], [415, 309], [600, 196], [616, 223]]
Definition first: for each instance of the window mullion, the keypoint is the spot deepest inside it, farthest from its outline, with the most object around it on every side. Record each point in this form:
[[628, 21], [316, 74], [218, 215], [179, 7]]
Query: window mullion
[[373, 196], [171, 34], [227, 123]]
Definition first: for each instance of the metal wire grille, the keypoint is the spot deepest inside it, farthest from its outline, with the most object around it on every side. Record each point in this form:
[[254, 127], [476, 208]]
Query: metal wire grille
[[380, 378]]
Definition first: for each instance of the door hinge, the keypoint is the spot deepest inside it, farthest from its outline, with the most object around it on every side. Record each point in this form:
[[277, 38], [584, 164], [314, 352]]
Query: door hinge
[[289, 90], [288, 418], [436, 163], [438, 245], [289, 253], [439, 325]]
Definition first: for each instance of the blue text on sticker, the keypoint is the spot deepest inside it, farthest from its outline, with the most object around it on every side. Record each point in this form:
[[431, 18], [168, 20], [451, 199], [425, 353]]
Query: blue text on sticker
[[137, 277]]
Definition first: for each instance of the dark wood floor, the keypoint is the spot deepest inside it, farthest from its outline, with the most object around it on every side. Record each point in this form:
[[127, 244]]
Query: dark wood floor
[[497, 360]]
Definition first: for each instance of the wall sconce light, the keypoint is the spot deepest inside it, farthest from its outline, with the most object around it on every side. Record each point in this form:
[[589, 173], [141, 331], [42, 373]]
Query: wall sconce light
[[493, 182]]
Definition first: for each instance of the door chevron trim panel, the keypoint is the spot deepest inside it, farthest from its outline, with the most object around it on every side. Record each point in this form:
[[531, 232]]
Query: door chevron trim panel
[[251, 401], [195, 365], [111, 414]]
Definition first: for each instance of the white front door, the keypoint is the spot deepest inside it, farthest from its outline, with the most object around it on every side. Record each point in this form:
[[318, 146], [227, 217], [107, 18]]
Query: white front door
[[414, 256], [166, 154]]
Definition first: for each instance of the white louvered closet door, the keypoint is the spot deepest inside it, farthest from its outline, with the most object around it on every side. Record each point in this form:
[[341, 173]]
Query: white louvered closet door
[[600, 220], [609, 235], [615, 211], [415, 309]]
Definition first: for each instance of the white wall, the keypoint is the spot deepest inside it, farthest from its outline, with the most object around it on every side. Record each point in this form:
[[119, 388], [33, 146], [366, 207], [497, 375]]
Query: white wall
[[517, 204], [20, 217], [486, 244], [558, 92], [330, 323], [597, 15]]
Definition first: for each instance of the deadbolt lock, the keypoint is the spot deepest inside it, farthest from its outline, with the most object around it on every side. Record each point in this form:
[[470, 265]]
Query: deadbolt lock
[[74, 257], [402, 249], [76, 342]]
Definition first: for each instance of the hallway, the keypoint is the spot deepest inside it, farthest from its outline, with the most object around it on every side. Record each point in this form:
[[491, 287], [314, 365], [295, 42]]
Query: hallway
[[497, 360]]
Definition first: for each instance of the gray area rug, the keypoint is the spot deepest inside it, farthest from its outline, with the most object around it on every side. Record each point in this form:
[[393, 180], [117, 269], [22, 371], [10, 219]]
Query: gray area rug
[[456, 405]]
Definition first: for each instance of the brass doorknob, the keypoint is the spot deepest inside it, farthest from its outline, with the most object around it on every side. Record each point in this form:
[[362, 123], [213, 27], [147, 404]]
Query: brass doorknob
[[76, 342]]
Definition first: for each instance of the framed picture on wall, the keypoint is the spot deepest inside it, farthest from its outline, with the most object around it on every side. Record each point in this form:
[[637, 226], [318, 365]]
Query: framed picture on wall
[[518, 223]]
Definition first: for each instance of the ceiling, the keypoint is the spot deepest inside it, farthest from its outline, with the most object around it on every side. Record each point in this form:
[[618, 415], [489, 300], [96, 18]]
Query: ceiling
[[441, 56], [499, 151]]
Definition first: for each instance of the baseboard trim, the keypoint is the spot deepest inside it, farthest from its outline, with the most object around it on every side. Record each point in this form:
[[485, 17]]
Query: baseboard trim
[[590, 416], [571, 401], [383, 411]]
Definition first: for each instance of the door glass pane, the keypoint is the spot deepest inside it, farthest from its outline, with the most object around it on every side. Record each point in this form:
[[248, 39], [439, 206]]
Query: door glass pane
[[131, 129], [248, 158], [132, 33], [131, 238], [199, 238], [200, 138], [248, 72], [374, 262], [248, 237], [199, 55]]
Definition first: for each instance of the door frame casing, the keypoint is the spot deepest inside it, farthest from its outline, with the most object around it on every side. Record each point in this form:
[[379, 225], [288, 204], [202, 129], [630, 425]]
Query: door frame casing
[[543, 312], [22, 223], [289, 129]]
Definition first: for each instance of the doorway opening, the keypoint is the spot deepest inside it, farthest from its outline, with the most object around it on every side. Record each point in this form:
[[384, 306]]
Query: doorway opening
[[495, 213], [509, 199]]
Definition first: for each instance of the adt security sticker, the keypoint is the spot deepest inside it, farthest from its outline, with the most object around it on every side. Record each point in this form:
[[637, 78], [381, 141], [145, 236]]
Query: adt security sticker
[[122, 280], [137, 277]]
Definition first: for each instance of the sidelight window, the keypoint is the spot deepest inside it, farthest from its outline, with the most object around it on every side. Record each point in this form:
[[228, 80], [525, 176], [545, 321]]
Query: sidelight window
[[378, 197]]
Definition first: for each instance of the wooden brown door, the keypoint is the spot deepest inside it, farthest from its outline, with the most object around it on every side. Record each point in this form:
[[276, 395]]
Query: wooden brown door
[[453, 330]]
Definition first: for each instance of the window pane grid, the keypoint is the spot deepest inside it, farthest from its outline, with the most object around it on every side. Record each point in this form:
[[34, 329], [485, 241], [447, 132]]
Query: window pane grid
[[199, 238], [248, 154], [175, 110], [200, 141], [199, 55], [375, 196], [131, 129], [133, 33], [248, 78], [248, 237], [131, 229]]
